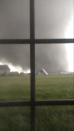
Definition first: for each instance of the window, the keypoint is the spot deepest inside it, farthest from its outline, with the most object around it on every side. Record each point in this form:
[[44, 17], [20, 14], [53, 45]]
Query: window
[[33, 104]]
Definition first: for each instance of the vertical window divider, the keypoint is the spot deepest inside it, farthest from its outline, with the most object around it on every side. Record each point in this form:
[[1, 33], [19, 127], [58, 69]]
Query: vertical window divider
[[32, 63]]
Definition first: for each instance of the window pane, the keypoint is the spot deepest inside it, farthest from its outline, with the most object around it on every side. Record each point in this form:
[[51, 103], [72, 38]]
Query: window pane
[[54, 72], [55, 118], [14, 119], [54, 18], [14, 19], [14, 72]]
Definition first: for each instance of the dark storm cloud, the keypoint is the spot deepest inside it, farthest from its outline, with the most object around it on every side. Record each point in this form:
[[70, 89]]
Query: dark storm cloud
[[14, 19], [51, 19], [15, 54]]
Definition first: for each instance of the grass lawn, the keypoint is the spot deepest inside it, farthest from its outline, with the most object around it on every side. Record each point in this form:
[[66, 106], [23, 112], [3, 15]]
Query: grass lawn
[[58, 118]]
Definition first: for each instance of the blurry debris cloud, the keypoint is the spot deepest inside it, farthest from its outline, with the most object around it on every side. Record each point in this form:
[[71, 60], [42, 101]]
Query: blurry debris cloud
[[51, 19]]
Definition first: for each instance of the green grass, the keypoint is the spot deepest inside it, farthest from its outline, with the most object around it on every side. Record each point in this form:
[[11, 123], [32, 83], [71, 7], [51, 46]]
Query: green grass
[[15, 119], [14, 88], [58, 118], [54, 87]]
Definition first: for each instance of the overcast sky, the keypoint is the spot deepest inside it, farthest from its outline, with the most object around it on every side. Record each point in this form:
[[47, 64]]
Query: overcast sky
[[51, 21]]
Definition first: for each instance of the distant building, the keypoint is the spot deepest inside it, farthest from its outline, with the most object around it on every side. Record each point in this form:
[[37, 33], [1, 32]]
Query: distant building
[[4, 70]]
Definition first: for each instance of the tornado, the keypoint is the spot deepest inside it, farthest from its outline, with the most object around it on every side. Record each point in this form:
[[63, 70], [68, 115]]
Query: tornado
[[51, 21]]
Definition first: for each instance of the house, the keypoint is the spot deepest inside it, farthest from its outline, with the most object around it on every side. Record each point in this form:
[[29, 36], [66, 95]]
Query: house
[[4, 70]]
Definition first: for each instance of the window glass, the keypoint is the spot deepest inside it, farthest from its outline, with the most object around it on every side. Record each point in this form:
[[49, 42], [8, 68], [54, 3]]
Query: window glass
[[14, 119], [54, 71], [55, 118], [14, 19], [54, 18], [14, 72]]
